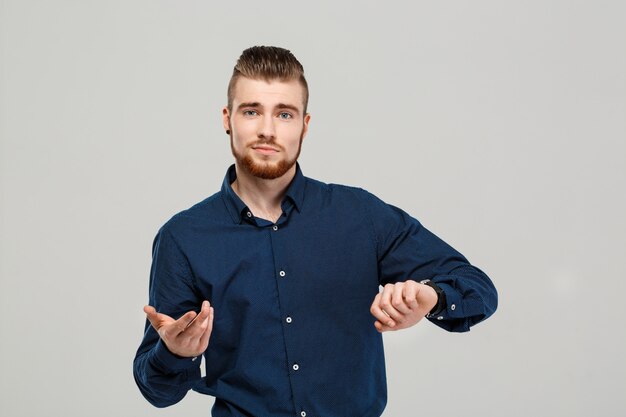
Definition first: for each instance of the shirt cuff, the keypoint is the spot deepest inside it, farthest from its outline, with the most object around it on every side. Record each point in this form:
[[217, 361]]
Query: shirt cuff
[[172, 362], [454, 303]]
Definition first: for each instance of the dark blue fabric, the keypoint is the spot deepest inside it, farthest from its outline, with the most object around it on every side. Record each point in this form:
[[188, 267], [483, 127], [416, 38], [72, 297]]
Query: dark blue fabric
[[320, 265]]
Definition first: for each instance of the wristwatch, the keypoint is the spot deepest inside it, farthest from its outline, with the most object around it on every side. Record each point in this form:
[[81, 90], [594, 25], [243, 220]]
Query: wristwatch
[[441, 299]]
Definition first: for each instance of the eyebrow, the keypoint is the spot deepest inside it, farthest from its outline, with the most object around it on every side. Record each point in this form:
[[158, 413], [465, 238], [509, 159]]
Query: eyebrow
[[278, 106]]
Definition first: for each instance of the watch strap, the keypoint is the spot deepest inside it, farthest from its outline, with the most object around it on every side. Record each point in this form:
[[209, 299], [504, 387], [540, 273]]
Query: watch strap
[[441, 299]]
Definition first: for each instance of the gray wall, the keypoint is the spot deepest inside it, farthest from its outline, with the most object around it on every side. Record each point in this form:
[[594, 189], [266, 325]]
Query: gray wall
[[499, 125]]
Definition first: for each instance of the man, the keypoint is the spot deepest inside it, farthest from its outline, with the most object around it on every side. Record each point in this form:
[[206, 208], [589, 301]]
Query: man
[[275, 278]]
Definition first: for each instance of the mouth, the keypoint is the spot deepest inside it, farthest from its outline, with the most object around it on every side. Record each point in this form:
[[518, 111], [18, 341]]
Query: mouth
[[266, 150]]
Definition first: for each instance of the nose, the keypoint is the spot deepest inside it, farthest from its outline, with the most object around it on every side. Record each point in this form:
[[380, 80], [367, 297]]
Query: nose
[[266, 128]]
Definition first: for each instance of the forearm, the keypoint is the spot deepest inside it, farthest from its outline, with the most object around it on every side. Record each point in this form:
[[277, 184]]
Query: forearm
[[470, 297], [163, 378]]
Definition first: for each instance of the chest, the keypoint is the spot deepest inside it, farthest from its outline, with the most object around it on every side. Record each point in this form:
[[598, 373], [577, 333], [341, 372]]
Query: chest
[[315, 260]]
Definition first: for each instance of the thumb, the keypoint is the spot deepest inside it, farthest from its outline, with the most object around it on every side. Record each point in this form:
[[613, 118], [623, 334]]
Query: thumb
[[152, 316], [156, 319]]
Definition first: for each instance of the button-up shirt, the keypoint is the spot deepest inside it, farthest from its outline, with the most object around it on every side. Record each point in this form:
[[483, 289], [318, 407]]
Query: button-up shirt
[[293, 334]]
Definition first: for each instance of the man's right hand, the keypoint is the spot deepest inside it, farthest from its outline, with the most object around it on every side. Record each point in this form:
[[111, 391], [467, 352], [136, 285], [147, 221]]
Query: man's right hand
[[189, 335]]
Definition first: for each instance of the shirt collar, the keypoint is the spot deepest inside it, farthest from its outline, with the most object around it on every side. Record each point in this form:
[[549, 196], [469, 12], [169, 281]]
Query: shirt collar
[[238, 209]]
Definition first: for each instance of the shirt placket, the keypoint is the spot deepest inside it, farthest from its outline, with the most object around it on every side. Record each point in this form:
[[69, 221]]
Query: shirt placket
[[286, 279]]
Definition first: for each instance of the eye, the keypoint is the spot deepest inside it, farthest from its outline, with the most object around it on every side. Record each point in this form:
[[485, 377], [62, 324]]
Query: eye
[[250, 113], [285, 115]]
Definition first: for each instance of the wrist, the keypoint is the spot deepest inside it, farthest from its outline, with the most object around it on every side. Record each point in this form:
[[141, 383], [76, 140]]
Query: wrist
[[170, 361], [440, 304]]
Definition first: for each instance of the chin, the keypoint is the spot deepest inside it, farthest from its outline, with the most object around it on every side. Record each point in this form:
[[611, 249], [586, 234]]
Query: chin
[[266, 169]]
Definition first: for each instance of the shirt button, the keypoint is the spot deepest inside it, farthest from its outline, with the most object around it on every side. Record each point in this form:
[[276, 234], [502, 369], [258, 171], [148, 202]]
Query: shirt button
[[288, 320], [452, 307], [303, 413], [440, 318], [249, 214], [274, 227], [296, 367], [282, 273]]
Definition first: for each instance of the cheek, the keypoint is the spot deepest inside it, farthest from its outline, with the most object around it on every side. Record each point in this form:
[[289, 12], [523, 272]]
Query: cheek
[[243, 131], [291, 133]]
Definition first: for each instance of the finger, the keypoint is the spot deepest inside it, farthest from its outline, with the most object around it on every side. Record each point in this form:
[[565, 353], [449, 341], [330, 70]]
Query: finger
[[197, 326], [378, 313], [204, 339], [410, 296], [203, 314], [378, 326], [205, 311], [382, 328], [196, 336], [385, 303], [184, 321], [397, 299]]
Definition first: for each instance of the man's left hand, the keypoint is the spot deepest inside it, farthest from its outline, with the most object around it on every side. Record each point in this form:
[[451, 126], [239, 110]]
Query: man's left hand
[[402, 305]]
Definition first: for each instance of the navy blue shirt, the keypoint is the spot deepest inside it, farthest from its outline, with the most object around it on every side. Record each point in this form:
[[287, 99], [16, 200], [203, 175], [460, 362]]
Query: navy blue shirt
[[293, 334]]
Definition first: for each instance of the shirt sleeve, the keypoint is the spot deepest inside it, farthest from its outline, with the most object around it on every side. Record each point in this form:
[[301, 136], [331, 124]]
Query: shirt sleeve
[[163, 377], [407, 250]]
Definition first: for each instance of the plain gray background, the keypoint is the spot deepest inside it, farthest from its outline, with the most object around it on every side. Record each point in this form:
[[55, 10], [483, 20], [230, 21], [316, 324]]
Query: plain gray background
[[499, 125]]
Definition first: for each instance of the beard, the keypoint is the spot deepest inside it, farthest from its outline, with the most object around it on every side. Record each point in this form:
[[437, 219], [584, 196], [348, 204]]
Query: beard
[[266, 170]]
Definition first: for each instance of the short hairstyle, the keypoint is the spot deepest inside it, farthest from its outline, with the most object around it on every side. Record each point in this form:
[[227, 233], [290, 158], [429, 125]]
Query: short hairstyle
[[268, 63]]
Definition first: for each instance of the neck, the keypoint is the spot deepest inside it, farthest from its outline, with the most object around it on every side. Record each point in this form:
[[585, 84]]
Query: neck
[[262, 196]]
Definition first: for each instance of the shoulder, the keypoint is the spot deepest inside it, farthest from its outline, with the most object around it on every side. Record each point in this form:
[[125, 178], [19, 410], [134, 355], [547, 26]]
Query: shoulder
[[343, 192], [200, 214], [357, 202], [380, 213]]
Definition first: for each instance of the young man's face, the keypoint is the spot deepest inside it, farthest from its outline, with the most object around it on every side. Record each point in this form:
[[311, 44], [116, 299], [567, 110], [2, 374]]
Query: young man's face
[[267, 126]]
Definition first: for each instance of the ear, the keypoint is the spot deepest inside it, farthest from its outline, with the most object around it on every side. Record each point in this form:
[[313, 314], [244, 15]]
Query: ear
[[226, 118], [305, 128]]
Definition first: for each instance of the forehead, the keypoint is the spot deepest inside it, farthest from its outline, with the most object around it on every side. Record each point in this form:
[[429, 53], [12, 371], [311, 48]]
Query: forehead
[[268, 93]]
